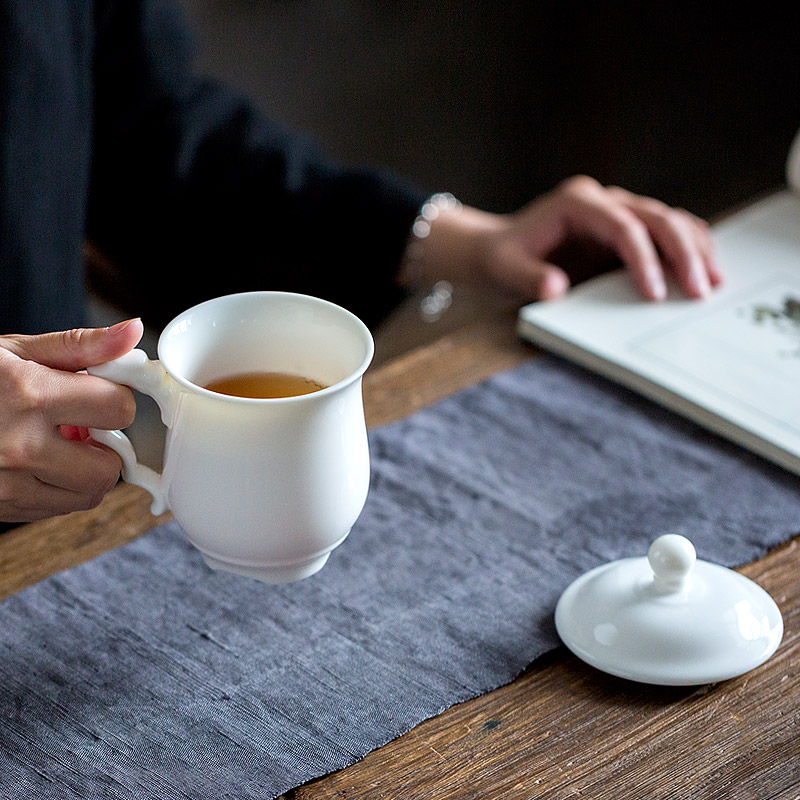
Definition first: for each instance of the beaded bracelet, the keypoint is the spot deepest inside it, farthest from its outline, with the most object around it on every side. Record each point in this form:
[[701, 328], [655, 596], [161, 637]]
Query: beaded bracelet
[[436, 203], [439, 299]]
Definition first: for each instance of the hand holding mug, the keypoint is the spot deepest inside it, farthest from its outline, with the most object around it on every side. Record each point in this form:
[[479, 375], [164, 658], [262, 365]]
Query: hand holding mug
[[48, 466]]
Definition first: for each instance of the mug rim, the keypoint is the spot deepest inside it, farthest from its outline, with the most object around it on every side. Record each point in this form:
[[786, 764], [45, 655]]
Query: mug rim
[[352, 377]]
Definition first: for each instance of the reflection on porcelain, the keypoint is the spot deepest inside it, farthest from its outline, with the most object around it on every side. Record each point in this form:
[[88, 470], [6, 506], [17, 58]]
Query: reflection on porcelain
[[669, 618], [263, 487], [750, 626], [606, 634]]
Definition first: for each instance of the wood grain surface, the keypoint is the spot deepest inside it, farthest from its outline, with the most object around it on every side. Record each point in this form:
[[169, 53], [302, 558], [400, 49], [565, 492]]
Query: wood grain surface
[[561, 729], [565, 730]]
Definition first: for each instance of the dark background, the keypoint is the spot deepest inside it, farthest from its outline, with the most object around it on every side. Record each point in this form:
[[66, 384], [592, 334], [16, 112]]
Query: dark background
[[497, 102]]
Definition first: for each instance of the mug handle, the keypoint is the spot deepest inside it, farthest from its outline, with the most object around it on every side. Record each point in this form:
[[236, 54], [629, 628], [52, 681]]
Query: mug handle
[[136, 370]]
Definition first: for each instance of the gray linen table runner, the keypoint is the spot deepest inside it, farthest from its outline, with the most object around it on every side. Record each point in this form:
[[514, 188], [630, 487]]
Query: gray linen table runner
[[143, 674]]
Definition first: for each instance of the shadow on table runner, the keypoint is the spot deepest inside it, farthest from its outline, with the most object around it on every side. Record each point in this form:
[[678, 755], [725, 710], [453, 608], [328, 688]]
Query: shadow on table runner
[[144, 674]]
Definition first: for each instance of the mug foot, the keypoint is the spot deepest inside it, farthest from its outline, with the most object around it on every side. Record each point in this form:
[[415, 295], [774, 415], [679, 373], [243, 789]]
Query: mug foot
[[267, 574]]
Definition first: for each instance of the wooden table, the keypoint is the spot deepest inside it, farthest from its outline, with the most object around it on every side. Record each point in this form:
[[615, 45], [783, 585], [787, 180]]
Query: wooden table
[[561, 729]]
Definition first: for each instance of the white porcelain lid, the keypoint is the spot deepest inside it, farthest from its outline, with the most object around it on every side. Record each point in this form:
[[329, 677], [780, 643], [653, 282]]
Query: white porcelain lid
[[669, 619]]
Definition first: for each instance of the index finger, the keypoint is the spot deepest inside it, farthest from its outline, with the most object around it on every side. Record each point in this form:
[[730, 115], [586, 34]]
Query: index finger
[[683, 239], [600, 216], [86, 401]]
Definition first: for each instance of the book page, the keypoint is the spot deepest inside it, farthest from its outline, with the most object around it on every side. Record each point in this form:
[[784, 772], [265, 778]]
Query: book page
[[746, 349], [731, 361]]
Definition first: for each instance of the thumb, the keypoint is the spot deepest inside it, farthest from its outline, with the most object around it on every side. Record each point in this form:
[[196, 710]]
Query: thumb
[[532, 279], [553, 282], [77, 348]]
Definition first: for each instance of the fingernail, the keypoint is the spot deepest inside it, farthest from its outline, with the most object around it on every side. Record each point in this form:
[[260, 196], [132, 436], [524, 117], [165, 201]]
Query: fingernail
[[699, 282], [658, 288], [715, 274], [115, 330]]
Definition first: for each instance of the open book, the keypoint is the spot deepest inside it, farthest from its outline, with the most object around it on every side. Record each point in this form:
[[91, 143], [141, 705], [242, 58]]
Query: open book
[[730, 362]]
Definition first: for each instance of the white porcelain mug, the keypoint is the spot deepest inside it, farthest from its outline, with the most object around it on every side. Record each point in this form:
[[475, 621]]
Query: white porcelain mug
[[264, 487]]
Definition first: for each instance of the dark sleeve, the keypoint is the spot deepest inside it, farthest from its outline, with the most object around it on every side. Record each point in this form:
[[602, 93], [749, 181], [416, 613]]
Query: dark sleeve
[[194, 194]]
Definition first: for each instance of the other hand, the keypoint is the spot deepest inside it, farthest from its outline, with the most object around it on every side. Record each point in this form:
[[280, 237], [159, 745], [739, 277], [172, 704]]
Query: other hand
[[530, 254]]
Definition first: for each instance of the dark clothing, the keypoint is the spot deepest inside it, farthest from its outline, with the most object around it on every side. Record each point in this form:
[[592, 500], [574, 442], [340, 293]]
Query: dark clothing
[[106, 133]]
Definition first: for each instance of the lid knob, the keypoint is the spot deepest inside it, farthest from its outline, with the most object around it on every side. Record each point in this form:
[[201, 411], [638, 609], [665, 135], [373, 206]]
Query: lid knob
[[671, 558]]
